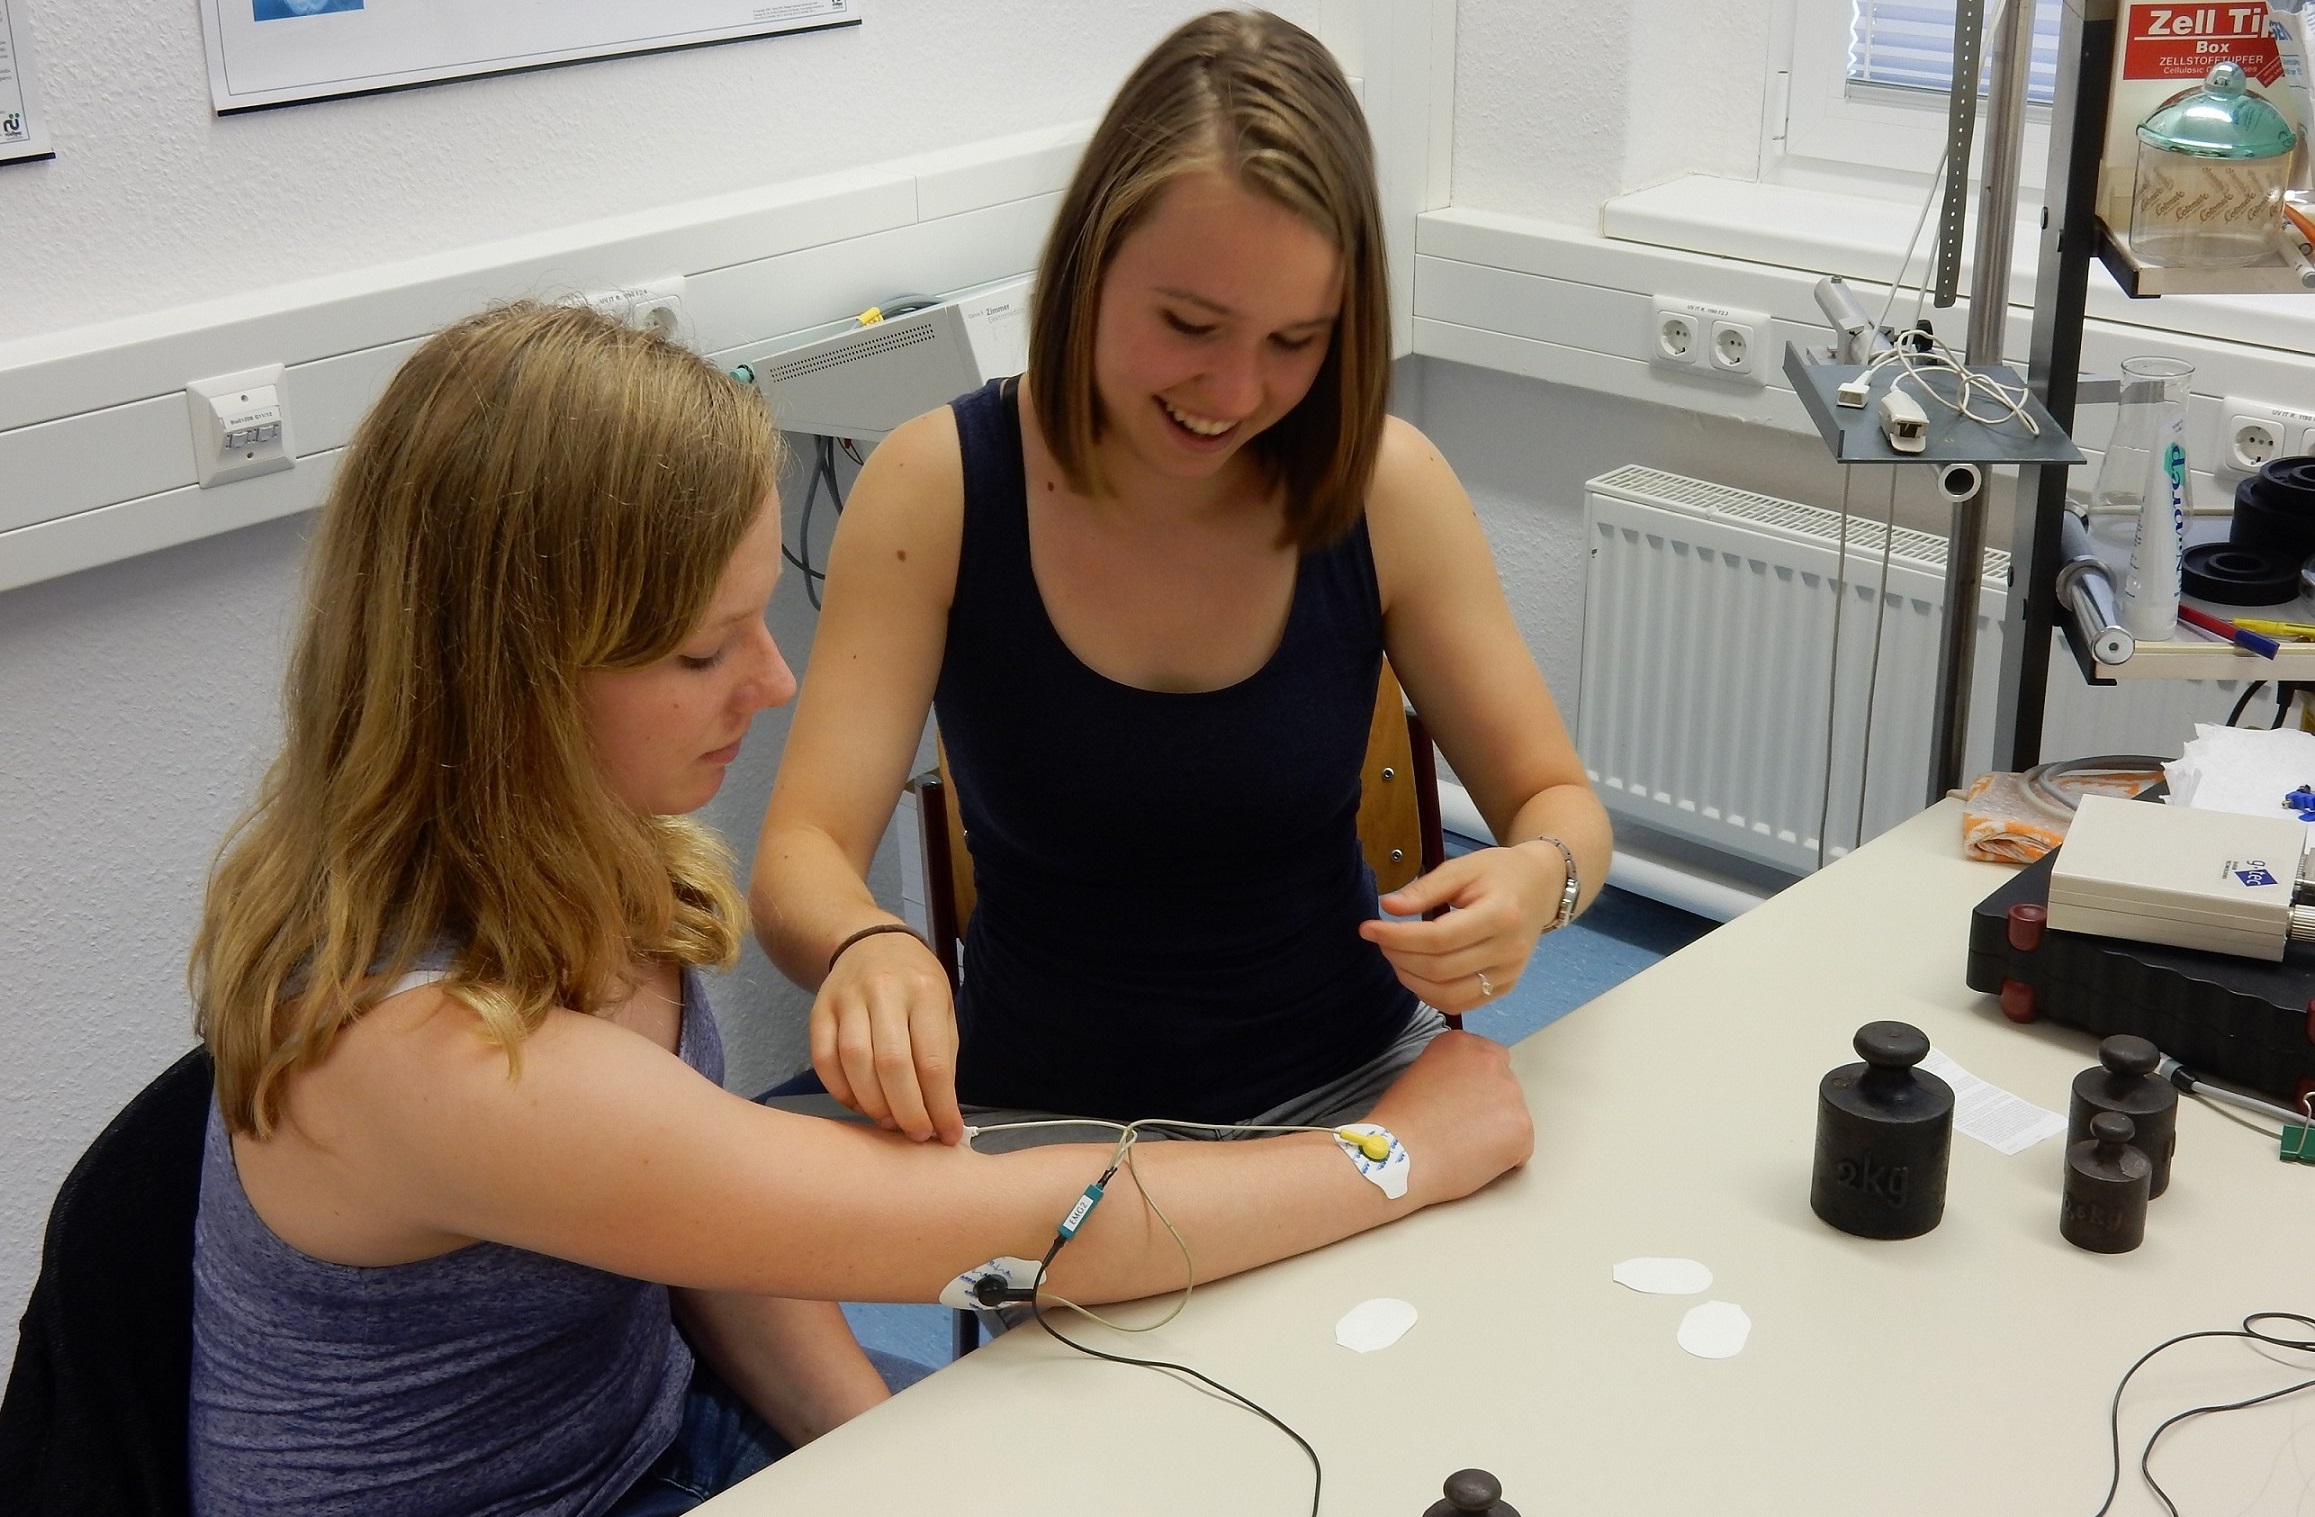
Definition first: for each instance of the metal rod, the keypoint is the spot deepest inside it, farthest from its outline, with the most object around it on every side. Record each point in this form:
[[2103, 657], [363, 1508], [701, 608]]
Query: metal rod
[[2061, 292], [1989, 306]]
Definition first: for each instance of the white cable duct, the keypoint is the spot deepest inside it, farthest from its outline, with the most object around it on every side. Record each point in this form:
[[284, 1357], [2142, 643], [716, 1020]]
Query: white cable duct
[[1710, 899]]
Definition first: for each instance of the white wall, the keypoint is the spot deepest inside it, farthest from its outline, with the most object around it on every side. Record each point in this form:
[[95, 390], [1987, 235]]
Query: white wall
[[1558, 107], [1562, 104], [152, 201], [137, 700]]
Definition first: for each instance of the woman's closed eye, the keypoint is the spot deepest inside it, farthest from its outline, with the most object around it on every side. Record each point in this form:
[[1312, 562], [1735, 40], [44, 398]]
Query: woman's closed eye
[[1187, 327], [702, 660]]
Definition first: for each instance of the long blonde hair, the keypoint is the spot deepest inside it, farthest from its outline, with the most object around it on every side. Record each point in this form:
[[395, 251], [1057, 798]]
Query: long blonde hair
[[1260, 100], [539, 492]]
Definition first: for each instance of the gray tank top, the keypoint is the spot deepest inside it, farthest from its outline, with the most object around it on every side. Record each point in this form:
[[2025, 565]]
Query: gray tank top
[[484, 1382]]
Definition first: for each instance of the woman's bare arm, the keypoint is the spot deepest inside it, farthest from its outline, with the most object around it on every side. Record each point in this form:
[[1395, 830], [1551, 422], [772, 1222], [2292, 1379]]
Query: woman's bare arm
[[1467, 670], [608, 1150], [883, 1031]]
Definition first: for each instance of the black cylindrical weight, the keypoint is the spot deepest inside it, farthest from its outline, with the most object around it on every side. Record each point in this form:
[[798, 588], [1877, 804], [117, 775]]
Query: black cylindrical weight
[[2104, 1208], [2125, 1082], [1884, 1134], [1472, 1493]]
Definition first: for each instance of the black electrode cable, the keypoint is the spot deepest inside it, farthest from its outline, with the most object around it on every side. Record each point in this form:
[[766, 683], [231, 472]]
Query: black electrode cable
[[1317, 1471], [823, 472], [1035, 1295], [2249, 1330], [2243, 702]]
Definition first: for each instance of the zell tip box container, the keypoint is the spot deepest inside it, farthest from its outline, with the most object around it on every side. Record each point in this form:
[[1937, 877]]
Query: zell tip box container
[[2190, 879]]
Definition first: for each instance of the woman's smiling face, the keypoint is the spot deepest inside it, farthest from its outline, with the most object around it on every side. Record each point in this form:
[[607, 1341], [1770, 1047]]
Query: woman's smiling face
[[1215, 317]]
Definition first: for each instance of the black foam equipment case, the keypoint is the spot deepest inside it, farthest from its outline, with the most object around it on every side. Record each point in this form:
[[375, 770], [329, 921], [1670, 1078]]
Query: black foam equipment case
[[2241, 1021]]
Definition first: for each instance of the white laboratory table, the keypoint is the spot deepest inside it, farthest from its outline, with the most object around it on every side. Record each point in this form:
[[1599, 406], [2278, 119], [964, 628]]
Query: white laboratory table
[[1966, 1371]]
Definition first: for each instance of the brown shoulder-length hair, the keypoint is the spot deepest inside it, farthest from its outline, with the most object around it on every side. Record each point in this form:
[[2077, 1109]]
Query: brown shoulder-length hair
[[1258, 98], [539, 492]]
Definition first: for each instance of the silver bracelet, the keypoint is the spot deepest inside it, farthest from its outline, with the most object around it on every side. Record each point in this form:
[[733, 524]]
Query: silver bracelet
[[1568, 892]]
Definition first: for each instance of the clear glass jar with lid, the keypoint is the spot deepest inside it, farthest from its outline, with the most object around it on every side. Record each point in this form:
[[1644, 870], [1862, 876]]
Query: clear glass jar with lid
[[2211, 166]]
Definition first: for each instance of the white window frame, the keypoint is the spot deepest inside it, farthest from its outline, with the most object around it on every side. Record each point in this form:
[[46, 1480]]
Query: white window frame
[[1821, 130]]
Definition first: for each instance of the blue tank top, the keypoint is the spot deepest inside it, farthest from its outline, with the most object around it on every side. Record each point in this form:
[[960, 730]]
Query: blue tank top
[[484, 1382], [1170, 885]]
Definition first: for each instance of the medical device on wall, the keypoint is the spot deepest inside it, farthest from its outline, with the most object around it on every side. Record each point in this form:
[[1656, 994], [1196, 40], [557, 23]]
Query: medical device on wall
[[864, 382], [2211, 880]]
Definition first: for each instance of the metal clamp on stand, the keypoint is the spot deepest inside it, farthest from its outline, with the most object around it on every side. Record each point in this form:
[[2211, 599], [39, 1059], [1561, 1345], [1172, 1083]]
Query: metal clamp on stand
[[2086, 590]]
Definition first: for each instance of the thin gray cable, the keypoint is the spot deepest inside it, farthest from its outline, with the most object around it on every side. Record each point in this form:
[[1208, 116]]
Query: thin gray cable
[[1873, 670], [1833, 664], [1936, 178]]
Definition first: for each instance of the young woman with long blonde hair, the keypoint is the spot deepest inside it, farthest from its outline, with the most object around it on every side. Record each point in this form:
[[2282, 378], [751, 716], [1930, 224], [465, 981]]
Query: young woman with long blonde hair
[[480, 1231], [1147, 590]]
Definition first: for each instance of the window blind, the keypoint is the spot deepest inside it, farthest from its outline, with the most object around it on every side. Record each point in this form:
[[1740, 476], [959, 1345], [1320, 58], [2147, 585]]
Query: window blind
[[1908, 45]]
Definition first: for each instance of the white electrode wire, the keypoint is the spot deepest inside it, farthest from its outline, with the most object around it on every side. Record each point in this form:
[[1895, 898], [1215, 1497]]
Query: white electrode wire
[[1833, 663], [1129, 1138], [1873, 670], [1936, 179], [1937, 358]]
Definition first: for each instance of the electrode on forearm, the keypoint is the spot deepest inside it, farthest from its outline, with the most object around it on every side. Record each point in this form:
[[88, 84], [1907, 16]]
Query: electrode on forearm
[[1388, 1171]]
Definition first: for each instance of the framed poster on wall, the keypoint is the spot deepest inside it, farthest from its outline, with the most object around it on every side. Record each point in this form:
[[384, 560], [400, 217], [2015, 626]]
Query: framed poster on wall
[[278, 52], [23, 128]]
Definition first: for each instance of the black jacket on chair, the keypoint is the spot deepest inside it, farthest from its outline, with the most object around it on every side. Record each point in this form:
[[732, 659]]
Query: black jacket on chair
[[93, 1424]]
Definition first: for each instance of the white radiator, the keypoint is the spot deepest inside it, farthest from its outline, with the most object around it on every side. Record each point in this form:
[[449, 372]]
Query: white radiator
[[1709, 672]]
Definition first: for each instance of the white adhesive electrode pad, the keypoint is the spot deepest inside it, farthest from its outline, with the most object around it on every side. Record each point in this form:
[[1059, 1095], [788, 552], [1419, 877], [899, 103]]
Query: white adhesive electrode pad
[[1018, 1273], [1389, 1173], [1664, 1277], [1375, 1324], [1715, 1330]]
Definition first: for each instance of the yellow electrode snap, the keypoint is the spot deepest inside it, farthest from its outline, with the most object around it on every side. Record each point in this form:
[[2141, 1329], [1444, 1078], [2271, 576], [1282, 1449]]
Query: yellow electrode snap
[[1374, 1145]]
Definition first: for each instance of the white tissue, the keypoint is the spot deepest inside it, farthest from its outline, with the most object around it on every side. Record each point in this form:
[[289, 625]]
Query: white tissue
[[1374, 1324], [1715, 1330], [1664, 1277], [2244, 770]]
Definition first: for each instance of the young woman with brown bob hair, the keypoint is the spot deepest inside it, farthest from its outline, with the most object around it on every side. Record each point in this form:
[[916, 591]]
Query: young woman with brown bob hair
[[1147, 590], [480, 1231]]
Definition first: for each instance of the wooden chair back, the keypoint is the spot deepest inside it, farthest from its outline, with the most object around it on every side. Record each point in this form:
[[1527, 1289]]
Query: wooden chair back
[[1398, 819]]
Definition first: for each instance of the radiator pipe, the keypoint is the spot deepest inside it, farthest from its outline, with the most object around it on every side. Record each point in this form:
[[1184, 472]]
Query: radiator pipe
[[1989, 309]]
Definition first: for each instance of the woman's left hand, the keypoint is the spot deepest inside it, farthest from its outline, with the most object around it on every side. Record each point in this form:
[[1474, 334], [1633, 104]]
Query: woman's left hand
[[1503, 898]]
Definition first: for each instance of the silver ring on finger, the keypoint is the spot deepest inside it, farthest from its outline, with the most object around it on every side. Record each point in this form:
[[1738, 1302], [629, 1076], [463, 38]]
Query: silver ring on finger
[[1486, 991]]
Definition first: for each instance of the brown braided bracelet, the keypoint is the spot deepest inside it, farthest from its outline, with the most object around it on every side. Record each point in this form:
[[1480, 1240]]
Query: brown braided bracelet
[[872, 931]]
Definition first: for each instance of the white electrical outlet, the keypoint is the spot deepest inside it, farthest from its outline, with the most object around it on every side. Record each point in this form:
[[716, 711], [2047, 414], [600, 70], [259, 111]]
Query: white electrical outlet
[[2253, 433], [240, 425], [2303, 446], [1714, 338], [1677, 337], [655, 306]]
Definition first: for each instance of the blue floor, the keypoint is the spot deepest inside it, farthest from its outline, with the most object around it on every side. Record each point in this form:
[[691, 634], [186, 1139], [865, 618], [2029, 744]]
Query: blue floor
[[1620, 935]]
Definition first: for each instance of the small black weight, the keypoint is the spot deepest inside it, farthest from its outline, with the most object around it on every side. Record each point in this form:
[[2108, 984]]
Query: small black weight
[[1884, 1135], [2104, 1207], [2125, 1082], [1472, 1493]]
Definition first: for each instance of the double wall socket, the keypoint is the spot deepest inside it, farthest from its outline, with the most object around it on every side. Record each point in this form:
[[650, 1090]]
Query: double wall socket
[[1712, 339], [656, 306], [2253, 432]]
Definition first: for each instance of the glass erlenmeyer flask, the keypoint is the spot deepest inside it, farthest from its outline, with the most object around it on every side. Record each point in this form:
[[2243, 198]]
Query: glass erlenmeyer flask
[[2119, 494]]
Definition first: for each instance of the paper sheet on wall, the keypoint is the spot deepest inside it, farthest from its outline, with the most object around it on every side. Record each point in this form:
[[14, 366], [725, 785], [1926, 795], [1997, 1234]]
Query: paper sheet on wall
[[277, 52], [2005, 1123], [23, 125]]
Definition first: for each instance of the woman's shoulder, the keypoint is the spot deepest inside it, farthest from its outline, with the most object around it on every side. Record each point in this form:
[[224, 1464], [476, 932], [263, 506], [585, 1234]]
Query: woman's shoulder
[[910, 494], [1419, 519]]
